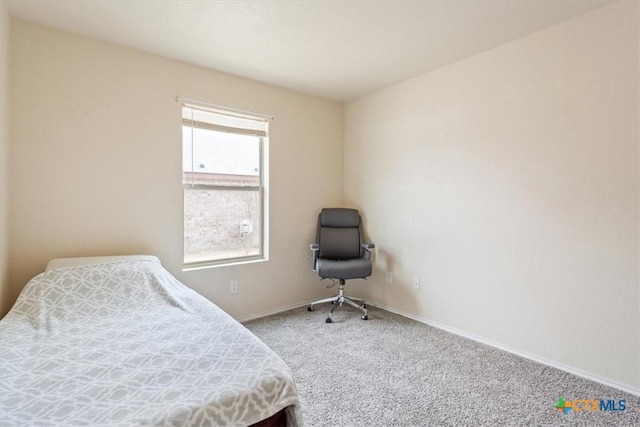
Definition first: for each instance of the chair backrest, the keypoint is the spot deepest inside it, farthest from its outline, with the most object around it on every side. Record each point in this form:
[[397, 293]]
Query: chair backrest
[[339, 234]]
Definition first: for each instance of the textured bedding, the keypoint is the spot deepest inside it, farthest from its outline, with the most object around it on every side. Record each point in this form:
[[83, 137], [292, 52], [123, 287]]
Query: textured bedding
[[124, 343]]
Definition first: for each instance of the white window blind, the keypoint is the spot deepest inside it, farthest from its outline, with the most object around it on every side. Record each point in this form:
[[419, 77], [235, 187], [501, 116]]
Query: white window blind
[[224, 121]]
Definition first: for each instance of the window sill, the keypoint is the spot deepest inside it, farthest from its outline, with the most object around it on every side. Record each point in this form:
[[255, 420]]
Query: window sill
[[222, 263]]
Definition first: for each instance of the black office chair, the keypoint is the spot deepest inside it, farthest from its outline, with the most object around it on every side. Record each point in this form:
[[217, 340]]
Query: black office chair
[[339, 252]]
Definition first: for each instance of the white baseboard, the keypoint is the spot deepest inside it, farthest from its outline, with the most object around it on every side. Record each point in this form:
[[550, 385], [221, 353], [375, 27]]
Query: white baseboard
[[271, 312], [587, 375]]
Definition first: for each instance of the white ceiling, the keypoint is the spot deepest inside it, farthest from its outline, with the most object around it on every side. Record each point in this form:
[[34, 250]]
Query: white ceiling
[[339, 50]]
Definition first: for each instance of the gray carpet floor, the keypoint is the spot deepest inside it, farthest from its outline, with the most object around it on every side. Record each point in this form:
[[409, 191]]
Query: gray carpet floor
[[394, 371]]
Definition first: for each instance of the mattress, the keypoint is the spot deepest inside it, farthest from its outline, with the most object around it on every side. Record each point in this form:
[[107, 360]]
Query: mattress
[[72, 262], [124, 343]]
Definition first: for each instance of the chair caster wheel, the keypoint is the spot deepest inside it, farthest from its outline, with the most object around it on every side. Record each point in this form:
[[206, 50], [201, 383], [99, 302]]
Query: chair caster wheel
[[310, 308], [329, 320], [365, 317], [363, 305]]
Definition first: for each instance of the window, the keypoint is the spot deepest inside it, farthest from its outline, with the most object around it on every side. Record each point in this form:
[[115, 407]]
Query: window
[[224, 179]]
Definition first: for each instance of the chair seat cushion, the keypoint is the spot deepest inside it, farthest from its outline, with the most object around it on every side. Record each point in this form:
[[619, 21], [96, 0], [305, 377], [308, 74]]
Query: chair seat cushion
[[357, 268]]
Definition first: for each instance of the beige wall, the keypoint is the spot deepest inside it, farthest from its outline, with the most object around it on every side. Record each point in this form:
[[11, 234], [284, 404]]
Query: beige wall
[[508, 183], [96, 164], [5, 302]]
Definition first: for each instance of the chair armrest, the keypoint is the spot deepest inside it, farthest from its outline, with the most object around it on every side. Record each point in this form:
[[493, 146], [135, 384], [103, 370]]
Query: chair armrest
[[369, 247], [314, 255]]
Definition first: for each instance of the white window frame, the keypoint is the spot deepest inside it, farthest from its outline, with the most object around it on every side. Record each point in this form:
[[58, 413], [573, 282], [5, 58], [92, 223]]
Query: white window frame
[[261, 188]]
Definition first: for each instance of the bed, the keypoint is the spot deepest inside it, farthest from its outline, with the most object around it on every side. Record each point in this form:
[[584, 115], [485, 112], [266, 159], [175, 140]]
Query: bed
[[121, 342]]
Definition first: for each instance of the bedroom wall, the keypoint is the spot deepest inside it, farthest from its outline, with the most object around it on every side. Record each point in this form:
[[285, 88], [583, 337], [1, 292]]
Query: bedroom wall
[[508, 183], [96, 164], [5, 303]]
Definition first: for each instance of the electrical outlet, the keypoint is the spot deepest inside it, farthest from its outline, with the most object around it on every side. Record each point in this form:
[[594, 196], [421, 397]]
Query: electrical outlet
[[416, 283], [233, 286], [389, 277]]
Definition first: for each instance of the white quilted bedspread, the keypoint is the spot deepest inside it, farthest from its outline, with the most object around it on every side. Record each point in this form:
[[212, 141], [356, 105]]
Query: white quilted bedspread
[[124, 344]]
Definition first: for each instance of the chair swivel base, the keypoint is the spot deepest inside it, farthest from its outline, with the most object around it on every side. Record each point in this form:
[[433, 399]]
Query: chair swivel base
[[340, 299]]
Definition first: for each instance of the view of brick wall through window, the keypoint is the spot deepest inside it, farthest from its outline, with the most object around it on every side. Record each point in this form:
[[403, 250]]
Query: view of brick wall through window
[[213, 224]]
